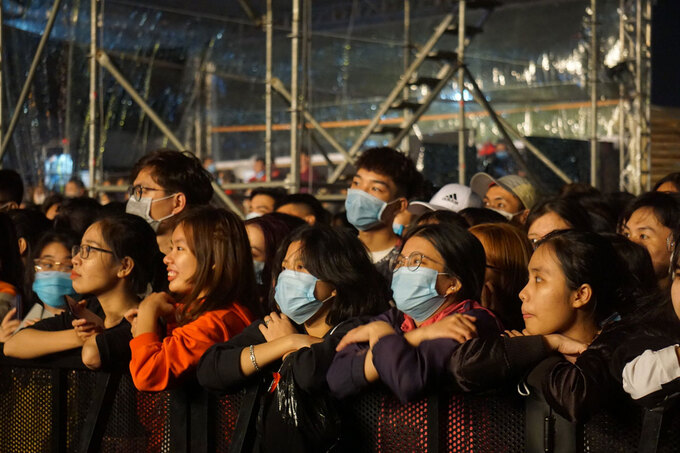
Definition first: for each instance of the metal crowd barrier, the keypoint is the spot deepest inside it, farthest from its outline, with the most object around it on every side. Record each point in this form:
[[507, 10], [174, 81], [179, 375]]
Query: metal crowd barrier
[[60, 407]]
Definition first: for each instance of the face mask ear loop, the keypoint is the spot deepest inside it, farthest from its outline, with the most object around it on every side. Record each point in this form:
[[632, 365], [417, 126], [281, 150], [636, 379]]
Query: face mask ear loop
[[384, 207]]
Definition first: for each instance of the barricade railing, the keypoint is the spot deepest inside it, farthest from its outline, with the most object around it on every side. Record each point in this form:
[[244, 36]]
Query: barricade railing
[[48, 407]]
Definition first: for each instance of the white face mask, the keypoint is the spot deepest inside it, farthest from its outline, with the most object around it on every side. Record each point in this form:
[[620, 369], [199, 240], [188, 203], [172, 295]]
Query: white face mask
[[142, 208], [505, 214], [253, 215]]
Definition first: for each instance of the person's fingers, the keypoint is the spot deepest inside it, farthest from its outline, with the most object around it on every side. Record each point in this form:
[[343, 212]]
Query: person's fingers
[[11, 325], [346, 340], [283, 316], [467, 323], [263, 329], [10, 314], [275, 316]]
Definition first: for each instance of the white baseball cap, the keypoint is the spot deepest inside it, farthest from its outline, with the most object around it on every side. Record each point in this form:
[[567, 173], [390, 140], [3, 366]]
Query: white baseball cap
[[451, 197]]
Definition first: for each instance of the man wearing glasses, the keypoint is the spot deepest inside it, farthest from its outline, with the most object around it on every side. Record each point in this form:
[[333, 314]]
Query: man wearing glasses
[[164, 183]]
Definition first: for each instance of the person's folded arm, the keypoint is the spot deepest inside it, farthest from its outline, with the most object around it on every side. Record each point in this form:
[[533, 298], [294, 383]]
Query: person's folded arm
[[31, 343]]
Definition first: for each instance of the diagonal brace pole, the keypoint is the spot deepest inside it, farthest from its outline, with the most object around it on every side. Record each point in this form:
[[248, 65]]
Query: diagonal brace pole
[[394, 94], [106, 63], [29, 79], [281, 89], [495, 118]]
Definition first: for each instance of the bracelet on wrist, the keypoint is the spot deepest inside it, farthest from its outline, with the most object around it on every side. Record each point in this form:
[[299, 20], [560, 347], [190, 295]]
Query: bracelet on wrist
[[252, 358]]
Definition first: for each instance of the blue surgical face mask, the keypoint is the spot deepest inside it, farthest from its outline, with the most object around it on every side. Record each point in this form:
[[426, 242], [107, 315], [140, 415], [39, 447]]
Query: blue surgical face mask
[[364, 211], [295, 295], [414, 292], [398, 228], [52, 286], [259, 267]]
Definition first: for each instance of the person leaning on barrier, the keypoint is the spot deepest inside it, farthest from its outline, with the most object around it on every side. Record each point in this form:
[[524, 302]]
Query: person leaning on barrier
[[438, 276], [576, 283], [325, 284], [651, 374], [164, 183], [117, 259], [211, 278]]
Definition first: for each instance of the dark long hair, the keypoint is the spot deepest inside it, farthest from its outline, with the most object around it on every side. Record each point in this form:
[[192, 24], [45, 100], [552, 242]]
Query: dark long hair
[[130, 236], [336, 256], [274, 227], [224, 270], [29, 225], [665, 205], [589, 258], [568, 209], [463, 255]]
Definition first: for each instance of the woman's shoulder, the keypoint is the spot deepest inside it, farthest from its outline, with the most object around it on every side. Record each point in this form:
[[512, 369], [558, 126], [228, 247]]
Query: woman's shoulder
[[8, 288], [236, 313]]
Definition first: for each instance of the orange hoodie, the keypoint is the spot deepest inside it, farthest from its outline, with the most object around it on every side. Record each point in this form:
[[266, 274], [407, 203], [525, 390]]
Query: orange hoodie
[[155, 363]]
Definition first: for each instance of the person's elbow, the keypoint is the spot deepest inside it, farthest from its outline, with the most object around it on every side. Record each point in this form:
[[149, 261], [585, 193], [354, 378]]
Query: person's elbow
[[13, 348], [91, 358]]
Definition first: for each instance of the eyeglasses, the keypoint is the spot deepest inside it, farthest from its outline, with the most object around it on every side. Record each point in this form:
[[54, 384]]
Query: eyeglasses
[[44, 264], [137, 191], [84, 251], [411, 262]]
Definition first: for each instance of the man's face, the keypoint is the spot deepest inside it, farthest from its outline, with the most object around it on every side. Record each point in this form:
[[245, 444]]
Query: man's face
[[262, 204], [151, 189], [376, 184], [499, 198], [259, 166]]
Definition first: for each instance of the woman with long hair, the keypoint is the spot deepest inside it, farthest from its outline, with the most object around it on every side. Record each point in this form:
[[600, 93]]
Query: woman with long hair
[[211, 279], [325, 283]]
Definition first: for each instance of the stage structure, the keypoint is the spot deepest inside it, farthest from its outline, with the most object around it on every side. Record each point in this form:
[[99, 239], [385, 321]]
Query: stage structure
[[633, 103], [635, 36]]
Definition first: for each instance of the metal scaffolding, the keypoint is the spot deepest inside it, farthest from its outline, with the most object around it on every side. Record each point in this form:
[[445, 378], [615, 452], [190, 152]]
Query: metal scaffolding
[[634, 93], [634, 107]]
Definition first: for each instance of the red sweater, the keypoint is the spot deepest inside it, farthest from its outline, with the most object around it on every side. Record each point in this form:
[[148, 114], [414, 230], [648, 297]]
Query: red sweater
[[156, 363]]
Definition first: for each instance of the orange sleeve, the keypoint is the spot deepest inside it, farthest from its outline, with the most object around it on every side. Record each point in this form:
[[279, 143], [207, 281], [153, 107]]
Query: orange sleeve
[[155, 363]]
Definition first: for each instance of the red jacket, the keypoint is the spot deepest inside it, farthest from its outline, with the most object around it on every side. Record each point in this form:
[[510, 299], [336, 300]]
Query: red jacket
[[156, 363]]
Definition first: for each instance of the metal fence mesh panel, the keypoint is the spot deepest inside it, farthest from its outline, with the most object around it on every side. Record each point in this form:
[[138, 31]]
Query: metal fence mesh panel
[[374, 421], [227, 408], [25, 410], [139, 422]]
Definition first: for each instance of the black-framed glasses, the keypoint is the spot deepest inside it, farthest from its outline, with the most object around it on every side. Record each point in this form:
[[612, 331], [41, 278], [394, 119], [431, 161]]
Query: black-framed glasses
[[411, 262], [84, 251], [138, 191], [46, 264]]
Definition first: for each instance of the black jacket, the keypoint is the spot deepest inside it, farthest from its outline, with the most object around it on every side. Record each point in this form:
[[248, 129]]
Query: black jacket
[[219, 370]]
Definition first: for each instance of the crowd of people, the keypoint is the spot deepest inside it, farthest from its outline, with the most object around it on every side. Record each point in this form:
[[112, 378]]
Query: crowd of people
[[573, 296]]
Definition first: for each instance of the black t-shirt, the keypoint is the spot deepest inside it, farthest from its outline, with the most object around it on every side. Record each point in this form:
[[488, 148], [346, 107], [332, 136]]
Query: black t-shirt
[[65, 320], [114, 346], [113, 343]]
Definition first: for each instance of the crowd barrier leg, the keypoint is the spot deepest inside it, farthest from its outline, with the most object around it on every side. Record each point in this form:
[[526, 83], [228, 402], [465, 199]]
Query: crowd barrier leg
[[58, 410], [201, 424], [179, 420], [651, 430], [102, 402]]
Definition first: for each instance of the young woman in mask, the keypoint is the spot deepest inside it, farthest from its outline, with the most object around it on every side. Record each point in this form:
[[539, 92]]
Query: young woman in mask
[[438, 275], [212, 283], [116, 260], [265, 233], [319, 299]]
